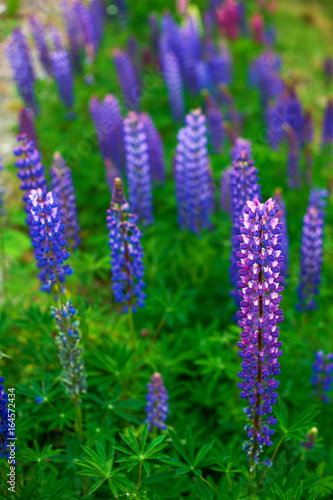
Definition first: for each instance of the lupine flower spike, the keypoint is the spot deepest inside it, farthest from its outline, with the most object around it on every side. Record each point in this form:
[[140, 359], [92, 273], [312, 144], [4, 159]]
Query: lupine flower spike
[[323, 375], [126, 252], [260, 288], [285, 240], [173, 80], [38, 33], [157, 403], [63, 75], [5, 431], [128, 79], [327, 129], [27, 124]]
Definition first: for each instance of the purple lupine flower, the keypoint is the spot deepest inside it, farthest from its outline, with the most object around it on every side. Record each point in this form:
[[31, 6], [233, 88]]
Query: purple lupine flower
[[188, 53], [260, 288], [56, 38], [157, 408], [228, 19], [138, 167], [128, 80], [87, 29], [126, 251], [265, 74], [27, 124], [73, 34], [220, 67], [308, 139], [312, 250], [241, 145], [38, 34], [294, 172], [275, 120], [6, 433], [63, 75], [281, 214], [203, 76], [46, 231], [173, 80], [328, 69], [311, 439], [154, 31], [63, 191], [322, 375], [18, 54], [215, 123], [294, 114], [225, 193], [194, 192], [97, 13], [327, 127], [31, 172], [155, 149]]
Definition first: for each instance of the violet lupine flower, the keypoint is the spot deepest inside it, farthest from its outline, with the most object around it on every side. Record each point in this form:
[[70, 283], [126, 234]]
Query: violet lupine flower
[[5, 432], [46, 231], [73, 35], [31, 172], [128, 80], [294, 114], [154, 31], [63, 75], [18, 54], [322, 375], [87, 29], [281, 214], [327, 127], [56, 38], [194, 192], [328, 68], [220, 66], [257, 27], [155, 149], [173, 80], [27, 124], [225, 193], [138, 167], [311, 439], [260, 285], [38, 34], [228, 19], [63, 191], [265, 74], [157, 408], [275, 120], [293, 162], [97, 13], [188, 53], [126, 252], [312, 250], [215, 123]]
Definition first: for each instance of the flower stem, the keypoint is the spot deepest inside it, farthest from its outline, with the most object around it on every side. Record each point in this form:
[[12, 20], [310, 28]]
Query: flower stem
[[140, 472], [131, 326], [273, 456], [78, 418]]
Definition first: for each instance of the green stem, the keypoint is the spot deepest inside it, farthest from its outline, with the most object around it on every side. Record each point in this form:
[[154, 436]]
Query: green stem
[[273, 456], [140, 472], [210, 485], [78, 418], [131, 326]]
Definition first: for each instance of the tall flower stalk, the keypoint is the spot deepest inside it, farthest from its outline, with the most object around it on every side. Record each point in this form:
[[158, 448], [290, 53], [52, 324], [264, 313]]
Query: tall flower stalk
[[63, 76], [322, 378], [157, 408]]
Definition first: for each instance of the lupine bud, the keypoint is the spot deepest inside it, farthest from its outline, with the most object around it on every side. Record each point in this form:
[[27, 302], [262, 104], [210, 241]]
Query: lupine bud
[[128, 80], [323, 375], [63, 75], [193, 176], [46, 231], [63, 190], [155, 149], [138, 167], [327, 128], [173, 80], [27, 124], [126, 251], [228, 19], [311, 437], [281, 214], [260, 288], [18, 54], [215, 124], [5, 431], [225, 193], [38, 34], [257, 26], [312, 250], [157, 408]]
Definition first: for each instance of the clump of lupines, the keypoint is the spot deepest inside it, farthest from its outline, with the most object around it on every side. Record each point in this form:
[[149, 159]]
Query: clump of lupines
[[322, 375], [225, 194], [27, 124], [194, 190], [31, 172], [312, 250], [128, 80], [327, 127], [138, 167], [215, 123], [38, 34], [63, 191], [157, 403], [155, 149], [18, 54], [4, 430], [285, 240], [126, 251], [260, 288], [63, 75]]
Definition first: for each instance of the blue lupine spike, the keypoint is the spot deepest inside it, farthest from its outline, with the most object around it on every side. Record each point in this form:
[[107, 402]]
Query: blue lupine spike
[[327, 127], [27, 124], [63, 75], [128, 79], [72, 28], [38, 34], [155, 149], [6, 432], [157, 408], [322, 378], [215, 123], [174, 85]]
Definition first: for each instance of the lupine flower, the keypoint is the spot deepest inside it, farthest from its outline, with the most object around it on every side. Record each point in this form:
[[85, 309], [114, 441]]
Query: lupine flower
[[220, 66], [39, 400], [31, 172], [73, 34], [322, 375], [173, 80], [154, 31], [27, 124], [138, 167], [193, 176], [275, 120], [203, 76], [241, 145], [46, 231], [18, 54], [312, 250], [327, 128], [328, 68], [188, 53], [128, 80], [38, 34], [228, 19], [2, 191], [97, 13], [225, 194], [56, 38], [87, 29], [311, 439], [260, 288], [157, 408], [155, 149], [4, 430], [215, 123], [281, 214], [73, 376], [294, 114], [63, 75], [126, 252], [265, 74], [257, 26], [63, 191]]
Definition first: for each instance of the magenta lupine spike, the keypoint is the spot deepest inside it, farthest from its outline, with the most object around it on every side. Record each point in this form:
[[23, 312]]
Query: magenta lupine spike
[[294, 173], [27, 124], [322, 379], [63, 75], [225, 192], [126, 251], [38, 34], [257, 28], [312, 250], [327, 127], [157, 408], [138, 167], [63, 191], [73, 34], [215, 123], [228, 19], [128, 79], [281, 214], [155, 149], [260, 288], [173, 80], [18, 54]]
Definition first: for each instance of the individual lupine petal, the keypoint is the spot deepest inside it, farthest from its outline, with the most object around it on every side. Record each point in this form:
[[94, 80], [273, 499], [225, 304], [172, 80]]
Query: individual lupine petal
[[73, 377], [173, 80], [46, 231], [312, 250], [327, 127], [257, 27], [260, 287], [215, 123], [281, 214], [225, 193], [73, 34], [27, 124], [128, 79], [38, 34], [322, 378], [63, 191], [63, 75], [31, 172], [126, 252], [138, 167], [228, 19], [294, 173], [157, 408], [155, 149], [6, 433]]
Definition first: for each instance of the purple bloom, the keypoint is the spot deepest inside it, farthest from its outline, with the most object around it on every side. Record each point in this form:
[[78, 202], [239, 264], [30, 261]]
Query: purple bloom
[[220, 67], [188, 52], [327, 128], [281, 214], [5, 431], [128, 79], [322, 375], [87, 29], [275, 119], [97, 13], [260, 288], [27, 124], [63, 191], [126, 251], [215, 124], [38, 34], [138, 167], [294, 115], [228, 19], [241, 146], [39, 400], [63, 75], [173, 80], [265, 74], [31, 172], [312, 250], [56, 38], [157, 408], [155, 149], [73, 34], [328, 68], [225, 194]]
